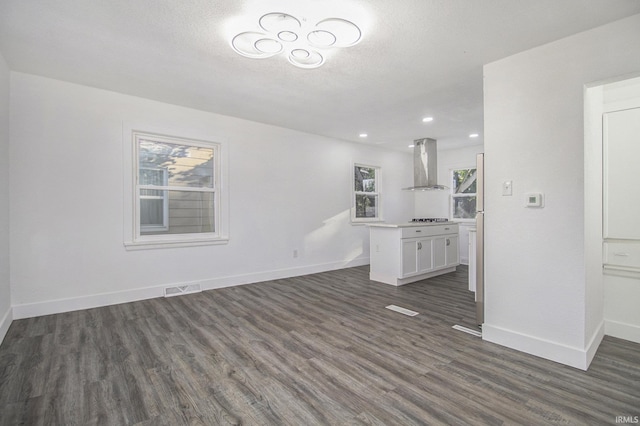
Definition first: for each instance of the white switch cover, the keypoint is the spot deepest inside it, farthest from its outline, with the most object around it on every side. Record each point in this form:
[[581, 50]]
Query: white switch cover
[[507, 188]]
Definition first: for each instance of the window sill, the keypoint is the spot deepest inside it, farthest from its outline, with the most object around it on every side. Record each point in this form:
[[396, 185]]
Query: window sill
[[161, 244]]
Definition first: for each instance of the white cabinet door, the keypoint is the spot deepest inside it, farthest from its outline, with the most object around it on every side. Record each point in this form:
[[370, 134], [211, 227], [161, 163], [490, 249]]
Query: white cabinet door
[[417, 256], [425, 255], [452, 252], [409, 257], [621, 160], [439, 252]]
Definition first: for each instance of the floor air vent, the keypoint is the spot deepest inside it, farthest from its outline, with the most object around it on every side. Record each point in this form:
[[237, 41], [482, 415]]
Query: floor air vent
[[182, 289], [402, 310], [467, 330]]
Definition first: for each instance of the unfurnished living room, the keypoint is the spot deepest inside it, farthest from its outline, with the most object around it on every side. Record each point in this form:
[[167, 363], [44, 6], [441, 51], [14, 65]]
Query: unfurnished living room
[[306, 212]]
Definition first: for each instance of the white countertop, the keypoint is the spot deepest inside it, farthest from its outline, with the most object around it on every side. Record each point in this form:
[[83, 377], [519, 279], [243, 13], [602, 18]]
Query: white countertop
[[410, 224]]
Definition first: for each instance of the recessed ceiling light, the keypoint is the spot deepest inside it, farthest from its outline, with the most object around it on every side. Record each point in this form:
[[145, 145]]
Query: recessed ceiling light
[[474, 135], [363, 135], [411, 146], [427, 119]]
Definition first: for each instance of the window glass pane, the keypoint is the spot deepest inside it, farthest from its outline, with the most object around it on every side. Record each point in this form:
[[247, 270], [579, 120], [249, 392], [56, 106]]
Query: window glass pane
[[365, 179], [152, 177], [464, 207], [187, 212], [185, 165], [151, 212], [464, 181], [366, 205]]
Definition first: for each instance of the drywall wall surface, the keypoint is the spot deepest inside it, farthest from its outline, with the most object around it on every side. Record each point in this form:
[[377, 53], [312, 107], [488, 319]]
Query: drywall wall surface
[[287, 191], [5, 284], [534, 136]]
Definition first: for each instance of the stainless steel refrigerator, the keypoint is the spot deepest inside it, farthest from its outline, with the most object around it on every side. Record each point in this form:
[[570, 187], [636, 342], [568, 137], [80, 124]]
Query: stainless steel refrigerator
[[480, 239]]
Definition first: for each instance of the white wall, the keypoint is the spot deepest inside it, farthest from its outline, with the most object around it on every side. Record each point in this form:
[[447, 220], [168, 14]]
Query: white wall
[[288, 190], [438, 203], [536, 296], [5, 290]]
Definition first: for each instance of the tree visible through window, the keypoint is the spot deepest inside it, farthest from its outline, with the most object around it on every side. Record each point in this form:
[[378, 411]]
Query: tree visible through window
[[366, 193], [463, 198]]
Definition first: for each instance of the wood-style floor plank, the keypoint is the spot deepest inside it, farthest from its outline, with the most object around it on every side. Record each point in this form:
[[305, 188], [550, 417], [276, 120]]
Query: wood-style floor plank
[[312, 350]]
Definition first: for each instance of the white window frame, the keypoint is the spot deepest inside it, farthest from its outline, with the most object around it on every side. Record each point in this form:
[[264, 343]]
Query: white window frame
[[454, 195], [377, 193], [134, 239], [165, 203]]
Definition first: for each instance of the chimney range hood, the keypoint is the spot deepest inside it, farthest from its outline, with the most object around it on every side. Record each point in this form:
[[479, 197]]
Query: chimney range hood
[[425, 166]]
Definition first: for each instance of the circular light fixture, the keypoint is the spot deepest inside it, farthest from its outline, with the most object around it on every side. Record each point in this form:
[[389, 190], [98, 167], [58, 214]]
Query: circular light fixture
[[346, 32], [313, 59], [363, 135], [300, 53], [287, 36], [321, 38], [268, 46], [254, 45], [299, 39], [411, 146], [427, 119], [474, 135], [277, 22]]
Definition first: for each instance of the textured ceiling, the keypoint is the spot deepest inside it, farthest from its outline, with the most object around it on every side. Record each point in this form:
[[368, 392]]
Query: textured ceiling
[[416, 58]]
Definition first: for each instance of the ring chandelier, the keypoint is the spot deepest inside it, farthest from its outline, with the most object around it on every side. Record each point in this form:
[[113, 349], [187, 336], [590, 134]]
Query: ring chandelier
[[303, 44]]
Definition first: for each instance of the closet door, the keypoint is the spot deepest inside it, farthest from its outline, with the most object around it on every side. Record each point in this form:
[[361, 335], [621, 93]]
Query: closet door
[[621, 178]]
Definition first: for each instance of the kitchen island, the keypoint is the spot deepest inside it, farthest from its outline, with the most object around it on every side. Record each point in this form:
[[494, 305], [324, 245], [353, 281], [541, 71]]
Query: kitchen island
[[402, 253]]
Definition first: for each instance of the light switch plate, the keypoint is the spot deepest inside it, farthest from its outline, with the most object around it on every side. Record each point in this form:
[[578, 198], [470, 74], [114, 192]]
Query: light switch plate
[[507, 188]]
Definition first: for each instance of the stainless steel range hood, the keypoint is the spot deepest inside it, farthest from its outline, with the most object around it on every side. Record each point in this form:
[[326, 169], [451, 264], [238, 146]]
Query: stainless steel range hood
[[425, 166]]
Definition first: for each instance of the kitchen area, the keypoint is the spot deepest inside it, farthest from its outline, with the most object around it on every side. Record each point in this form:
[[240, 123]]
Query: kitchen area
[[443, 233]]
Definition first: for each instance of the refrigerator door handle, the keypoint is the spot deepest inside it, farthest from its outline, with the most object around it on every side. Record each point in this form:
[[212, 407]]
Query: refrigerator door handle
[[480, 183], [480, 268]]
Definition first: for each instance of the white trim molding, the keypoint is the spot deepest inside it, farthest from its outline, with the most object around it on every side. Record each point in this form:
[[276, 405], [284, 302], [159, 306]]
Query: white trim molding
[[553, 351], [106, 299], [622, 330], [5, 323]]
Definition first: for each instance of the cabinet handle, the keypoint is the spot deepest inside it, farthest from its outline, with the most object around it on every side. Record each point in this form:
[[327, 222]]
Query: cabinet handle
[[448, 242], [419, 246], [621, 254], [418, 230]]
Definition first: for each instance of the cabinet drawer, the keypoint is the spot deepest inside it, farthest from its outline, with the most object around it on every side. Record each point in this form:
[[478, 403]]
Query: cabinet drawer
[[427, 231], [622, 254]]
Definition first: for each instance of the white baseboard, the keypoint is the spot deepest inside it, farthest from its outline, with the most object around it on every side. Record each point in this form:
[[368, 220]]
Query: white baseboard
[[594, 343], [50, 307], [622, 330], [567, 355], [5, 323]]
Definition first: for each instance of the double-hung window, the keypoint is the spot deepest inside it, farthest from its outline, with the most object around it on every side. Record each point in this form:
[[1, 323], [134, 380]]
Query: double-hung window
[[463, 194], [366, 194], [176, 189]]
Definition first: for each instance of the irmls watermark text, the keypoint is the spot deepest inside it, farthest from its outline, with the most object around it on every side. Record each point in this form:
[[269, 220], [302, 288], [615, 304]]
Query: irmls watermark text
[[628, 419]]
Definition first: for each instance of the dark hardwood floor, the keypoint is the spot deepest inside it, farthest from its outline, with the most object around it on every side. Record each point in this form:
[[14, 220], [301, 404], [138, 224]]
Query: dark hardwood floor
[[320, 349]]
